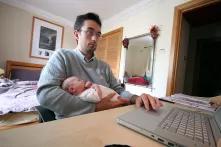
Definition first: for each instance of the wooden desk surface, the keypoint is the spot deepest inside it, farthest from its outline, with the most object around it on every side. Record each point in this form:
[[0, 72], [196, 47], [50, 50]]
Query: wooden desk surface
[[90, 130]]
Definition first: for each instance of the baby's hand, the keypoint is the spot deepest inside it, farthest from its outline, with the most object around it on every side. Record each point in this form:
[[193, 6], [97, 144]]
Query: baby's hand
[[215, 101], [88, 84]]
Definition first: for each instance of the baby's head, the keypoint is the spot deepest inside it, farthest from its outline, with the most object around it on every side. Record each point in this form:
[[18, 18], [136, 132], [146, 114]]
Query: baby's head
[[73, 85]]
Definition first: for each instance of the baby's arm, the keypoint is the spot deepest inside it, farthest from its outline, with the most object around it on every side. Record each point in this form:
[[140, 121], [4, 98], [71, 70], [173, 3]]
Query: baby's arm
[[98, 90]]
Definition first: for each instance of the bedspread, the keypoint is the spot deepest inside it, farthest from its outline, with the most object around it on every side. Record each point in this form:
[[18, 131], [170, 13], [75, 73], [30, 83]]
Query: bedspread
[[20, 97], [137, 81]]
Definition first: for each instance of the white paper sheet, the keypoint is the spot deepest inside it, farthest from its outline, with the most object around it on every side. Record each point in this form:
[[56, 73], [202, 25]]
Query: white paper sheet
[[191, 101]]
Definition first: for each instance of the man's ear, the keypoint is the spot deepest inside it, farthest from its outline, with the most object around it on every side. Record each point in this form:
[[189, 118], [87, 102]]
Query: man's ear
[[72, 90], [76, 35]]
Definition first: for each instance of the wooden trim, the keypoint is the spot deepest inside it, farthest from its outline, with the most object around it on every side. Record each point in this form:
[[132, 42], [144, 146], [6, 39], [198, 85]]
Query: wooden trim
[[114, 31], [32, 32], [121, 31], [20, 65], [138, 36], [175, 43]]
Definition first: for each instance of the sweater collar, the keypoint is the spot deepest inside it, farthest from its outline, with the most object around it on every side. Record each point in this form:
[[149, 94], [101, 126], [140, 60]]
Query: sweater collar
[[83, 58]]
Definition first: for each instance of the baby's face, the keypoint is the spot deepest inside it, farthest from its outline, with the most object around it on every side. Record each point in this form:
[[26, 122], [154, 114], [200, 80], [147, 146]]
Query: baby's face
[[78, 85]]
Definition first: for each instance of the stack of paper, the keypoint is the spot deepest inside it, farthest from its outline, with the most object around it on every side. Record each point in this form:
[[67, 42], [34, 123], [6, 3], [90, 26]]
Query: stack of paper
[[192, 101]]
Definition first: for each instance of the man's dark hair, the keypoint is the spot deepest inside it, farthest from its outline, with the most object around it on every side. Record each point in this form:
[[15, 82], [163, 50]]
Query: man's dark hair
[[88, 16]]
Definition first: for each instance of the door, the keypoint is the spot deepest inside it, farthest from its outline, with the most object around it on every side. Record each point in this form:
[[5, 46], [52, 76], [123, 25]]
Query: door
[[109, 49]]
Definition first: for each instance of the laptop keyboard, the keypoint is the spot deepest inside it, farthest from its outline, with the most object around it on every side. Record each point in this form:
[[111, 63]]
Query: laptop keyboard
[[187, 123]]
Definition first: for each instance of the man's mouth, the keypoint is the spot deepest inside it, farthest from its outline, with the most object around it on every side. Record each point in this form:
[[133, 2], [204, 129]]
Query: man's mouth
[[92, 44]]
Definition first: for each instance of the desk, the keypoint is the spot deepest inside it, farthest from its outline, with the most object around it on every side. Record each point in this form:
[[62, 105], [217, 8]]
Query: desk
[[90, 130]]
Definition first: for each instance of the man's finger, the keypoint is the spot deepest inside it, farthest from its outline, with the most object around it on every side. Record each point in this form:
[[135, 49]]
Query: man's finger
[[145, 101], [152, 101], [139, 101], [158, 103]]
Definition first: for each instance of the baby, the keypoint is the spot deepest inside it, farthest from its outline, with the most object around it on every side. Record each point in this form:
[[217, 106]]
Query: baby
[[87, 90]]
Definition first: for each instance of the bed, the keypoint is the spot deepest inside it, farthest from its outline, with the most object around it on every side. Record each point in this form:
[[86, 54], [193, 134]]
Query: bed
[[138, 81], [24, 72]]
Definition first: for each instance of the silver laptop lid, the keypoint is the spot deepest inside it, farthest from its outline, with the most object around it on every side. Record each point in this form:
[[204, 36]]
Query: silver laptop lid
[[218, 117]]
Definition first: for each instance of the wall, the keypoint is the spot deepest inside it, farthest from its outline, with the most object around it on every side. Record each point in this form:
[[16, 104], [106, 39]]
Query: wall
[[137, 20], [15, 36], [15, 28]]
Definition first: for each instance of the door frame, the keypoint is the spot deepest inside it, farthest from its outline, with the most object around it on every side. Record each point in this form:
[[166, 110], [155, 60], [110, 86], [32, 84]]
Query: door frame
[[176, 38]]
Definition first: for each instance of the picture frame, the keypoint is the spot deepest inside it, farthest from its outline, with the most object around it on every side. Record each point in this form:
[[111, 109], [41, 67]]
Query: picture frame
[[46, 37]]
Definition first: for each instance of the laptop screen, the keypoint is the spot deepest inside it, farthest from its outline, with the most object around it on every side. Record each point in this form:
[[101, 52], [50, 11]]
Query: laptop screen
[[218, 117]]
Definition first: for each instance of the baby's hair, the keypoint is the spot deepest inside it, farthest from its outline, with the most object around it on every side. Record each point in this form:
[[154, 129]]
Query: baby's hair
[[66, 83]]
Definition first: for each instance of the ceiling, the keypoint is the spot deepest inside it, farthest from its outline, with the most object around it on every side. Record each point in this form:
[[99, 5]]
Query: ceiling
[[69, 9]]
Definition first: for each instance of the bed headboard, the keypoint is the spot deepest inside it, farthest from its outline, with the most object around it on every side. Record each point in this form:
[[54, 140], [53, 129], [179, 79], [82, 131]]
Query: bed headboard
[[23, 71]]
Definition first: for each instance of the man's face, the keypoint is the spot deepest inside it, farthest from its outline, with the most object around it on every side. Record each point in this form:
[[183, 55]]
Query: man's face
[[88, 36]]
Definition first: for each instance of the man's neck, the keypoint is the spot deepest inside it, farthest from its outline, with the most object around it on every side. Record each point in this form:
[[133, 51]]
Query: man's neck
[[88, 55]]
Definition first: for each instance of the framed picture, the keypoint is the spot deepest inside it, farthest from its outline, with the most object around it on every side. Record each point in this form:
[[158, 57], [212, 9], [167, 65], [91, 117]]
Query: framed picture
[[46, 38]]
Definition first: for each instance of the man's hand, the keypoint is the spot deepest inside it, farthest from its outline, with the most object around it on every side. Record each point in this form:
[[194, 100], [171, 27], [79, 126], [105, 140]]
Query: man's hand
[[148, 102], [106, 103]]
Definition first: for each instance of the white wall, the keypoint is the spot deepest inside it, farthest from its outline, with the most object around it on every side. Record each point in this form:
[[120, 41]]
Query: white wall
[[15, 28], [138, 20], [15, 34]]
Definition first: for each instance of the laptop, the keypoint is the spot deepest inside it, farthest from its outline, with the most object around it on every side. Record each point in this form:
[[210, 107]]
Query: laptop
[[175, 126]]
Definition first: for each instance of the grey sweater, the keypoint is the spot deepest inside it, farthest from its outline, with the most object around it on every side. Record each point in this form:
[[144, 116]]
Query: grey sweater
[[65, 63]]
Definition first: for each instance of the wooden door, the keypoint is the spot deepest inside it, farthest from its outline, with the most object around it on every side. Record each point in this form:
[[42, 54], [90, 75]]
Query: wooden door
[[109, 49], [176, 37]]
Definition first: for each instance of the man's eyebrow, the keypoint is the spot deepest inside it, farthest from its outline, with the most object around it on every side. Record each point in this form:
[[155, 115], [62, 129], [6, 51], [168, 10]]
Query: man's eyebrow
[[90, 28]]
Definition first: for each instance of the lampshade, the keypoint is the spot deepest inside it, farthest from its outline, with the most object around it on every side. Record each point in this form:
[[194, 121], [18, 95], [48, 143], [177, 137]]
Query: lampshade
[[2, 71]]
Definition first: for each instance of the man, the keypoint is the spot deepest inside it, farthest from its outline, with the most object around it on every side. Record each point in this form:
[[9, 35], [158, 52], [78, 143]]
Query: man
[[81, 62]]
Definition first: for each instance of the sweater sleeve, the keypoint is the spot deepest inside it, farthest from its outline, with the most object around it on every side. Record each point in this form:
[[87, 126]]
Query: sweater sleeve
[[116, 86], [50, 94]]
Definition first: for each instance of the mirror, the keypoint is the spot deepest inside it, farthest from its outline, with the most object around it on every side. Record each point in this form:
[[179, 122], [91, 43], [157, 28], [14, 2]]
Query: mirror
[[139, 60]]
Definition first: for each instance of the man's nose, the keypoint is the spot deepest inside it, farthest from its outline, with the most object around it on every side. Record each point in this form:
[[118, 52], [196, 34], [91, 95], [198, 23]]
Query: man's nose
[[94, 37]]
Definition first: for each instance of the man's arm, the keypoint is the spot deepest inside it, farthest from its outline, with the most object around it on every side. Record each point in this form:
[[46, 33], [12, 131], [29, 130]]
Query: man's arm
[[50, 94], [145, 100], [116, 86]]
